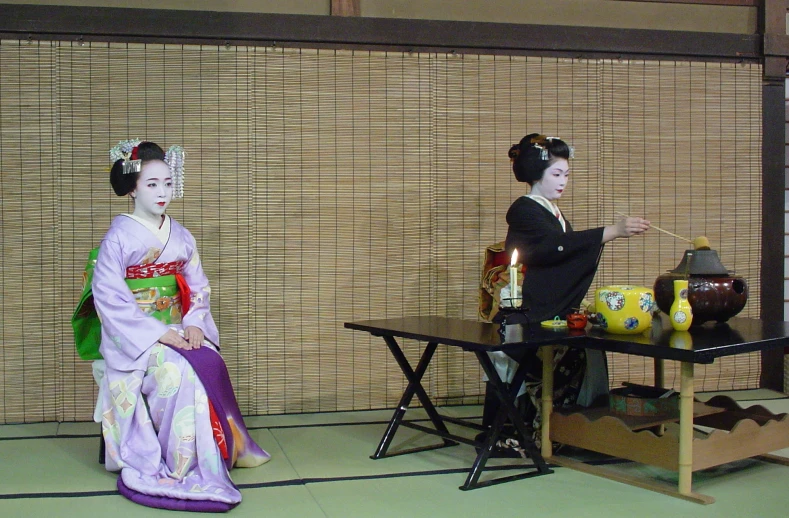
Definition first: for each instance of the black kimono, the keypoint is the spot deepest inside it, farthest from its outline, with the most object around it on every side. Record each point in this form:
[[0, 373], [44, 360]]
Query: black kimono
[[560, 266]]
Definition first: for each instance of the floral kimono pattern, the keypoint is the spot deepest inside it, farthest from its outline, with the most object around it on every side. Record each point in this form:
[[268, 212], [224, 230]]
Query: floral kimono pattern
[[170, 420]]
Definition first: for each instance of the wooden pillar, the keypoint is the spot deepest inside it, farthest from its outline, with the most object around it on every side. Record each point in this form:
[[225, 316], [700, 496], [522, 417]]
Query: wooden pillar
[[346, 7], [772, 25]]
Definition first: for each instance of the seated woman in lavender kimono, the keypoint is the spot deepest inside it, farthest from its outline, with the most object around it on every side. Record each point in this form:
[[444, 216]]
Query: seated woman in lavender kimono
[[170, 420]]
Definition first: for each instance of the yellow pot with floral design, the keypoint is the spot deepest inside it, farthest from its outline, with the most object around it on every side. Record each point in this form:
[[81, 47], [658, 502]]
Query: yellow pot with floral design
[[623, 309]]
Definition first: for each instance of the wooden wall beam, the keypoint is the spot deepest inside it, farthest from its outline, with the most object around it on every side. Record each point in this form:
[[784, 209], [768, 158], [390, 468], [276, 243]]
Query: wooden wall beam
[[197, 27]]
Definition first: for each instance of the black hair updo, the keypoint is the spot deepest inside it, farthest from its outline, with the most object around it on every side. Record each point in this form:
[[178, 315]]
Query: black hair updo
[[528, 163], [122, 183]]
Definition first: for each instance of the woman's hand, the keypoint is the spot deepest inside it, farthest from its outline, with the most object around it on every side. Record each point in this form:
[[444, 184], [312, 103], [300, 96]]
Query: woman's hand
[[628, 227], [194, 335], [171, 337], [625, 227]]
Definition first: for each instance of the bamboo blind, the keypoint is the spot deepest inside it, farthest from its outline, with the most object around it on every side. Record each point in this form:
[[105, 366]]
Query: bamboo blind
[[325, 186]]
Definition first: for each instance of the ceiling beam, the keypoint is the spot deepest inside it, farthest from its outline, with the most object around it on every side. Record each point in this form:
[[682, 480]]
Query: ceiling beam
[[228, 28]]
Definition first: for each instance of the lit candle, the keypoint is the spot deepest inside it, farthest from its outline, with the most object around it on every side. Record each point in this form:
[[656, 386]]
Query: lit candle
[[514, 279]]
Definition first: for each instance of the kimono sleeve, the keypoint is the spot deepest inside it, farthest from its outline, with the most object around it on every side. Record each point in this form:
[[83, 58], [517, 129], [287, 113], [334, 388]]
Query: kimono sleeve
[[199, 314], [542, 240], [131, 331]]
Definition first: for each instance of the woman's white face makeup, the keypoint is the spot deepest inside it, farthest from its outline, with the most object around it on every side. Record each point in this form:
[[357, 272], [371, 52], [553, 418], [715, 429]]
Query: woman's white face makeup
[[554, 180], [154, 191]]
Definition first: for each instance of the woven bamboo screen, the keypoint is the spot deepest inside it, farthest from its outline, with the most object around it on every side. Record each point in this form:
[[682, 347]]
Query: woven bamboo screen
[[326, 186]]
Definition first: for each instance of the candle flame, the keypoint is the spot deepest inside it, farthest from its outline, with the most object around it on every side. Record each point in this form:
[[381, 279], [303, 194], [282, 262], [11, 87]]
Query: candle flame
[[514, 257]]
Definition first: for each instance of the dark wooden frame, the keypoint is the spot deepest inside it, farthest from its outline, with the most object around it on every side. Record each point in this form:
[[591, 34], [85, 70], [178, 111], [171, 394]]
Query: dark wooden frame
[[163, 26], [772, 26], [730, 3], [770, 46]]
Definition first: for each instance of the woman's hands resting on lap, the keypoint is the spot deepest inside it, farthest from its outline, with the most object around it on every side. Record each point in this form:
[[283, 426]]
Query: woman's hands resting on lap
[[192, 339]]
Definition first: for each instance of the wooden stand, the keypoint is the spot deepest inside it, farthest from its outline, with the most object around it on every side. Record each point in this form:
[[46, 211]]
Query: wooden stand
[[738, 434]]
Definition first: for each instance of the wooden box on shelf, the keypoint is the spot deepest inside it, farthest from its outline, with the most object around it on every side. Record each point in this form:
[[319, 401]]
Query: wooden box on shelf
[[643, 401]]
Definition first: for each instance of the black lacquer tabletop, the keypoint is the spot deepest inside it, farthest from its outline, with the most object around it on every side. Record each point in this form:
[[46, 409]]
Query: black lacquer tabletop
[[469, 334], [701, 344]]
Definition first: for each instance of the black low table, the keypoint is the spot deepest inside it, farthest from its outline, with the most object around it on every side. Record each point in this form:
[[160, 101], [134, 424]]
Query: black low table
[[700, 345], [479, 338]]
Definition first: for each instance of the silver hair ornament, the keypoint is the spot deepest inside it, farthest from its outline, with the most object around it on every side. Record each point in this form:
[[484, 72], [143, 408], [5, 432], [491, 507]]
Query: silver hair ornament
[[175, 159], [123, 151]]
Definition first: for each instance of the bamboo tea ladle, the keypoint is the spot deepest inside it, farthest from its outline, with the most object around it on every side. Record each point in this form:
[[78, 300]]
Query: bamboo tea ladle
[[700, 243]]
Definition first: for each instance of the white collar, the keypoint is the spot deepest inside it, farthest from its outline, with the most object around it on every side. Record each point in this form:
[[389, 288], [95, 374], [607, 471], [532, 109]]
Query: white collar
[[550, 206], [162, 233]]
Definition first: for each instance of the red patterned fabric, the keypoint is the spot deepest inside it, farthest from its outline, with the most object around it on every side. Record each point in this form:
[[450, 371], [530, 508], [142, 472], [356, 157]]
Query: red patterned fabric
[[219, 434], [146, 271]]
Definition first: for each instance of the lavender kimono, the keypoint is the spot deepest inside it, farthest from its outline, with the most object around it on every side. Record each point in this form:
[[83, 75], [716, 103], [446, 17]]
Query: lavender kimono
[[170, 420]]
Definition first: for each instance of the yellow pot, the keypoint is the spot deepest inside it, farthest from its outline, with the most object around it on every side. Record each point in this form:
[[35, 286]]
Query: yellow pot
[[624, 310]]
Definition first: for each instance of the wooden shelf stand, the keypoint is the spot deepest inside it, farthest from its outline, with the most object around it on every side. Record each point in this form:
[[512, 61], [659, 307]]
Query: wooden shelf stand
[[738, 433]]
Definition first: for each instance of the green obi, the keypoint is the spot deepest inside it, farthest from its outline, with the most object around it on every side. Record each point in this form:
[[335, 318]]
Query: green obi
[[158, 297]]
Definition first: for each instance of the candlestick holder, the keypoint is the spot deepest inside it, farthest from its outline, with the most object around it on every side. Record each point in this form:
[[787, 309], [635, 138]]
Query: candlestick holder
[[508, 318]]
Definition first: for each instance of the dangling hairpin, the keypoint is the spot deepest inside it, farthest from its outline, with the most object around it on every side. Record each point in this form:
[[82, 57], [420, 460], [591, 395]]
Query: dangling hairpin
[[126, 150], [175, 159]]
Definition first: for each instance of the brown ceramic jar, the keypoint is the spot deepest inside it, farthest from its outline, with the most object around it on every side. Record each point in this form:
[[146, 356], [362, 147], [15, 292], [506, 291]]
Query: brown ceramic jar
[[714, 293]]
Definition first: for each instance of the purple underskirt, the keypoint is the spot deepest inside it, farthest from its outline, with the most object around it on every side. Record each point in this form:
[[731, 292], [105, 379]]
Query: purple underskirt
[[173, 504]]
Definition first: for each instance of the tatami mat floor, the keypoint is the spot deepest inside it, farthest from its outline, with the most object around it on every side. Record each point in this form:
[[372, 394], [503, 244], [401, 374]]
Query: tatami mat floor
[[321, 467]]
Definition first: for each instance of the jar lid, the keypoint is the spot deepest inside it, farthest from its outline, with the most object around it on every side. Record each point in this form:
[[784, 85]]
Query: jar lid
[[701, 262]]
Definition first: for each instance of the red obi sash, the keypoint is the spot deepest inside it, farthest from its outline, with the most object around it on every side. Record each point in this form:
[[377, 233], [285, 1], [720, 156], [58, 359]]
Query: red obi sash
[[175, 268]]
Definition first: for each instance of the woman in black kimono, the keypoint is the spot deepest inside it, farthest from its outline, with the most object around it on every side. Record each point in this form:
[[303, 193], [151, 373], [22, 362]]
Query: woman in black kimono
[[560, 265]]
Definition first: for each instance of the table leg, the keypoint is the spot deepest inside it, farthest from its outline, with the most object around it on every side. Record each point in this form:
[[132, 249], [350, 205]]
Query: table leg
[[547, 400], [660, 382], [414, 378], [507, 400], [507, 397], [660, 373], [686, 429], [485, 451]]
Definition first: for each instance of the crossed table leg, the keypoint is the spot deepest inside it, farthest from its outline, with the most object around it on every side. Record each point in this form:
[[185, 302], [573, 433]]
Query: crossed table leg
[[507, 409]]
